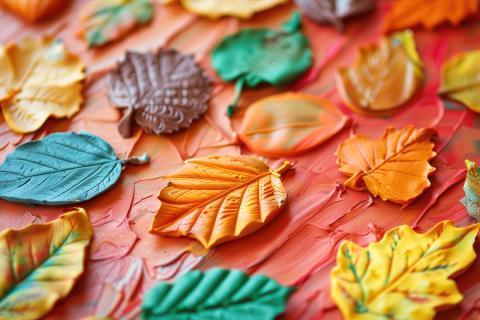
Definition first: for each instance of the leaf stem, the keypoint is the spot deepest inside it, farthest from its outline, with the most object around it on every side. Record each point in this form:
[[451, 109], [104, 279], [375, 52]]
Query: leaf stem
[[238, 91], [287, 165], [138, 160]]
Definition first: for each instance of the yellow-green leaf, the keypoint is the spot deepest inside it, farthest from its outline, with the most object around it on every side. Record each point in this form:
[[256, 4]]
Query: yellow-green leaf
[[237, 8]]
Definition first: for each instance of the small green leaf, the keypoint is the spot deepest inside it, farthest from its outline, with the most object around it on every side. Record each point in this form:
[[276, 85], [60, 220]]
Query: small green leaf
[[472, 190], [62, 168], [216, 294]]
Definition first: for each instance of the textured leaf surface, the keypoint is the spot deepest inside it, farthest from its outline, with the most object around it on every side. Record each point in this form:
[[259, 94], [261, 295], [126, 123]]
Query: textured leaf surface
[[219, 198], [394, 167], [103, 21], [237, 8], [428, 14], [384, 77], [403, 276], [289, 124], [41, 263], [461, 79], [162, 92], [216, 294], [31, 10], [39, 79], [62, 168], [472, 190], [255, 56]]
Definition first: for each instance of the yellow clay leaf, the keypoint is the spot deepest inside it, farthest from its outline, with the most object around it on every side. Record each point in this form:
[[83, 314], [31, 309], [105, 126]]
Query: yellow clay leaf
[[394, 167], [461, 79], [39, 79], [385, 76], [41, 263], [220, 198], [237, 8], [403, 276]]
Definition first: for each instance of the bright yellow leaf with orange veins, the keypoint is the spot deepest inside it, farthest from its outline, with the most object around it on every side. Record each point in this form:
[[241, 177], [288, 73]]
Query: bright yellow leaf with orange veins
[[237, 8], [394, 167], [429, 14], [385, 76], [39, 79], [220, 198], [403, 276]]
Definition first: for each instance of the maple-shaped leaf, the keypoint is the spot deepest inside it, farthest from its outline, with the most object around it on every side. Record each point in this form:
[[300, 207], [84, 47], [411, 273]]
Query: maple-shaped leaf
[[429, 14], [220, 198], [237, 8], [256, 56], [472, 190], [216, 294], [162, 92], [31, 10], [41, 263], [394, 167], [39, 79], [461, 79], [103, 21], [384, 77], [289, 124], [403, 276]]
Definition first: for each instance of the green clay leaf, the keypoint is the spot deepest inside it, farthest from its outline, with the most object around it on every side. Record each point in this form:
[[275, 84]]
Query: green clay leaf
[[62, 168], [472, 190], [216, 294], [255, 56]]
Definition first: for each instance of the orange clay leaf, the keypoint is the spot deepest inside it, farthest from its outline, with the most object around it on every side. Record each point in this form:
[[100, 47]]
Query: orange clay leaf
[[394, 167], [31, 10], [289, 124], [385, 76], [220, 198]]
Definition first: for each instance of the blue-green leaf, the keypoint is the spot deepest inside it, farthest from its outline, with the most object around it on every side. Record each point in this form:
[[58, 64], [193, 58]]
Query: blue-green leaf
[[62, 168], [216, 294]]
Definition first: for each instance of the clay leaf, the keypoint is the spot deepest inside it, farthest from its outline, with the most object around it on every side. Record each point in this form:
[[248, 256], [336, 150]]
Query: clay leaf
[[472, 190], [41, 263], [403, 276], [428, 14], [31, 10], [62, 168], [39, 79], [461, 79], [238, 8], [289, 124], [162, 92], [256, 56], [385, 76], [216, 294], [394, 167], [220, 198], [103, 21]]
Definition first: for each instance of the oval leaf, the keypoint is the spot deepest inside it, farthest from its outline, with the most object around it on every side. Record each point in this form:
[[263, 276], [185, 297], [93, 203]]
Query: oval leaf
[[216, 294], [31, 10], [403, 276], [472, 190], [385, 76], [255, 56], [461, 79], [62, 168], [219, 198], [103, 21], [162, 92], [39, 79], [41, 263], [237, 8], [394, 167], [289, 124]]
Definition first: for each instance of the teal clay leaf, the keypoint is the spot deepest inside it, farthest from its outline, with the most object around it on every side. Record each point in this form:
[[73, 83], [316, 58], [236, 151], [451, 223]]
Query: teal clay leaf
[[255, 56], [216, 294], [472, 190], [62, 168]]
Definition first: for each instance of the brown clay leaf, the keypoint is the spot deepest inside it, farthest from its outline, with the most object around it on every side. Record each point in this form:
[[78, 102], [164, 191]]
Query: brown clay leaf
[[394, 167], [162, 92]]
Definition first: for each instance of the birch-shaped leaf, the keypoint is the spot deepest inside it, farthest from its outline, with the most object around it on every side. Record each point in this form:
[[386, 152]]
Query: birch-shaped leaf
[[385, 76], [428, 14], [220, 198], [31, 10], [62, 168], [255, 56], [39, 79], [103, 21], [289, 124], [238, 8], [403, 276], [41, 263], [461, 79], [216, 294], [394, 167], [162, 92], [472, 190]]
